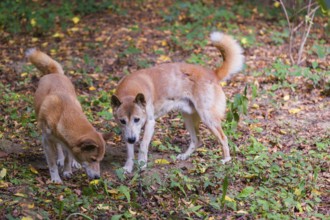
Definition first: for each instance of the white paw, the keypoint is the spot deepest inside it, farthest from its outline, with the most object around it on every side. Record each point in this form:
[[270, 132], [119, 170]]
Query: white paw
[[182, 157], [60, 162], [128, 169], [225, 160], [67, 174], [75, 164], [57, 180]]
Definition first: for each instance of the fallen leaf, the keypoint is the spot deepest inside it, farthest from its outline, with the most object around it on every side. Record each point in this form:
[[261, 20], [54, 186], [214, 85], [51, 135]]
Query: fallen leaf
[[286, 97], [92, 88], [162, 161], [228, 199], [75, 20], [32, 169], [94, 182], [294, 110], [3, 173]]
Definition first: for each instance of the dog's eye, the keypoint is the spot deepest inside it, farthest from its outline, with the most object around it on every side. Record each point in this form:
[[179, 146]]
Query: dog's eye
[[122, 121], [136, 120]]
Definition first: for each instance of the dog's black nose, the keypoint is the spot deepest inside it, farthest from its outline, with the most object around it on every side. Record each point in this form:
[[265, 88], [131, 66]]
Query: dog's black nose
[[131, 140]]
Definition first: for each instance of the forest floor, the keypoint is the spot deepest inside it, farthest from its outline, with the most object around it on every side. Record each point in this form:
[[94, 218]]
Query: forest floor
[[280, 144]]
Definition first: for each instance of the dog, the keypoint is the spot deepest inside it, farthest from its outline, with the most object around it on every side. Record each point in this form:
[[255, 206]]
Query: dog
[[147, 94], [62, 122]]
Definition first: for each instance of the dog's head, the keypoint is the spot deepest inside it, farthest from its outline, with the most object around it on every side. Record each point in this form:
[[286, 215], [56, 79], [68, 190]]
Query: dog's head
[[130, 114], [89, 152]]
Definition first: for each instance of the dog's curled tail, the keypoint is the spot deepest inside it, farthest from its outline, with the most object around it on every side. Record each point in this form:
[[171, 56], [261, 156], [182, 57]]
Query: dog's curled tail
[[43, 62], [231, 51]]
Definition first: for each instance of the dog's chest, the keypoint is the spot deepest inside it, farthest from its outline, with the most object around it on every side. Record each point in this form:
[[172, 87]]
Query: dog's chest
[[173, 104]]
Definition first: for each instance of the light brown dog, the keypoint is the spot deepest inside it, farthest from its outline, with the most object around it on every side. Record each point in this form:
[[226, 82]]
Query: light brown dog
[[147, 94], [63, 123]]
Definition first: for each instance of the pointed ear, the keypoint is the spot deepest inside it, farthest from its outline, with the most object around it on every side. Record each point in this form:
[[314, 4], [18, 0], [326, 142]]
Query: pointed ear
[[115, 102], [140, 100], [88, 145]]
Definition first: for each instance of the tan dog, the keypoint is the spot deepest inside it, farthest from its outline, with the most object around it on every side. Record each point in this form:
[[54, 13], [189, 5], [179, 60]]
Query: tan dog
[[63, 122], [147, 94]]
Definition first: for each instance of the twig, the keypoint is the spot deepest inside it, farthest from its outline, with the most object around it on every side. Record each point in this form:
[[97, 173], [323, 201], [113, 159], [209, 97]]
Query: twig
[[290, 29], [306, 34]]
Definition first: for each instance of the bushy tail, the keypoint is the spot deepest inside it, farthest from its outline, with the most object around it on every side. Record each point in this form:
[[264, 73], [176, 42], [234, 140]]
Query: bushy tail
[[231, 51], [43, 62]]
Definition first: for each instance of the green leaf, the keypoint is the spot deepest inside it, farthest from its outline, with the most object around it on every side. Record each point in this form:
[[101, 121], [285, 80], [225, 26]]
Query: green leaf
[[124, 190], [116, 217], [246, 192]]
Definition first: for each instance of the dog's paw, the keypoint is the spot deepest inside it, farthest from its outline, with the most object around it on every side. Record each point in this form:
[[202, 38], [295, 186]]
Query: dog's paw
[[75, 164], [182, 157], [60, 162], [225, 160], [56, 180], [67, 174], [128, 169]]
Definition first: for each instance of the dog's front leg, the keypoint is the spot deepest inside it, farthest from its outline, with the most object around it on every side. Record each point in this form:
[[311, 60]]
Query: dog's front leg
[[148, 133], [50, 152], [130, 158]]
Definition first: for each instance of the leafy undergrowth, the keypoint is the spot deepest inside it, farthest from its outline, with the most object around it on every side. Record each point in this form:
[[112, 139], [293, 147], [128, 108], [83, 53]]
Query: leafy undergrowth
[[278, 119]]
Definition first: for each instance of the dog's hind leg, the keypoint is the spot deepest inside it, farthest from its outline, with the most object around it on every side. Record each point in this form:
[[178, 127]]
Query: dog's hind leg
[[192, 125], [50, 152], [216, 129]]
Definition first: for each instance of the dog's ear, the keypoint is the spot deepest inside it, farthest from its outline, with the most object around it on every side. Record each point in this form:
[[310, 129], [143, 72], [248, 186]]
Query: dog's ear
[[115, 102], [88, 145], [140, 100]]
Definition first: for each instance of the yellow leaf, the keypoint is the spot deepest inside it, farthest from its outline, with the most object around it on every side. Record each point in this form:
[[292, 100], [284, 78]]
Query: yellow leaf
[[94, 182], [201, 149], [3, 173], [20, 194], [44, 44], [283, 131], [92, 88], [33, 22], [297, 192], [250, 176], [164, 58], [75, 20], [228, 199], [223, 83], [255, 106], [132, 212], [24, 74], [58, 35], [112, 191], [277, 4], [103, 207], [30, 206], [244, 41], [162, 161], [3, 184], [34, 39], [48, 201], [286, 97], [316, 192], [242, 212], [156, 143], [53, 51], [74, 29], [294, 110], [164, 43], [27, 218], [32, 169]]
